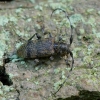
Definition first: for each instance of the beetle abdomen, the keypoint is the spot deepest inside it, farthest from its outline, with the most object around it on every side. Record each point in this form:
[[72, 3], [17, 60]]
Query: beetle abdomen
[[36, 49]]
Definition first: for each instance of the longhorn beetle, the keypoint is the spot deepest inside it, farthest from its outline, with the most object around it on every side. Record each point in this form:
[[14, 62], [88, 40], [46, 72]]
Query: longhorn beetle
[[47, 47]]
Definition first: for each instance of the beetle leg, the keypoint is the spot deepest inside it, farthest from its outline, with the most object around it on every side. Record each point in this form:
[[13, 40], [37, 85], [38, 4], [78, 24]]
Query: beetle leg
[[39, 37], [37, 62], [67, 63], [71, 54], [31, 37]]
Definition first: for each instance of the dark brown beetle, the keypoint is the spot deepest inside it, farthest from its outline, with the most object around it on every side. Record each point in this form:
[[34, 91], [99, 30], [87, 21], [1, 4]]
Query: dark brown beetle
[[45, 47]]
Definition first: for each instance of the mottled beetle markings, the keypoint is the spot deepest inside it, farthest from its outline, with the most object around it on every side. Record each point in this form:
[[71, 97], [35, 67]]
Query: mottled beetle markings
[[44, 48]]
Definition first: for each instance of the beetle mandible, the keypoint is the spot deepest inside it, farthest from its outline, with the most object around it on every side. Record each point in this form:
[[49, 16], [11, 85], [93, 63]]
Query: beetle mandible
[[46, 47]]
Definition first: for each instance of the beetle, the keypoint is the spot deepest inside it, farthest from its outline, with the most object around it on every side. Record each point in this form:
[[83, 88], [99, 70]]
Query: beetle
[[47, 47]]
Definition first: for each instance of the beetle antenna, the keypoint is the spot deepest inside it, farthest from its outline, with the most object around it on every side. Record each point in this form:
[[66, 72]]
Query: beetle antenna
[[71, 26], [71, 40], [71, 54]]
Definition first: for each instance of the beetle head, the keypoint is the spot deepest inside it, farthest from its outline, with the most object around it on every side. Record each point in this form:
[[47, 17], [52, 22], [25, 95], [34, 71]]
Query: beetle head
[[63, 49]]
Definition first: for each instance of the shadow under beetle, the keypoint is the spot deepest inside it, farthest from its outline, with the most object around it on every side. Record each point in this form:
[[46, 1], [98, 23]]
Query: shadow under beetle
[[47, 47]]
